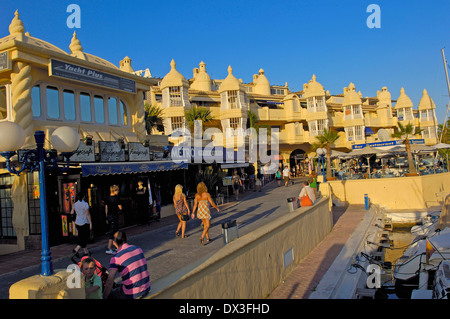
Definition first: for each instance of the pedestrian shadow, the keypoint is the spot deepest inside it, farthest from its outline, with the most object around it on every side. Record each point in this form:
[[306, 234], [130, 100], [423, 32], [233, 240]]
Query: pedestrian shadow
[[158, 254]]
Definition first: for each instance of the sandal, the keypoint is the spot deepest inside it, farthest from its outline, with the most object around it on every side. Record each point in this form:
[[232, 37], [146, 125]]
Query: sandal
[[201, 241], [177, 234]]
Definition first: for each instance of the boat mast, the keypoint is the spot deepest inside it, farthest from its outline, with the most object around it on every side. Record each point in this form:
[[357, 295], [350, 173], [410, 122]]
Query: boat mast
[[448, 88]]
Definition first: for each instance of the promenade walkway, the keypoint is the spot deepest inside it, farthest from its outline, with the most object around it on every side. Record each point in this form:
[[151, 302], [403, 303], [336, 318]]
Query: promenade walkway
[[165, 253]]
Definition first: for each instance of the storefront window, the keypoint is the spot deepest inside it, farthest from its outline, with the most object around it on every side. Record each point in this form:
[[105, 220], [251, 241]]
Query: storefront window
[[85, 106], [36, 101], [112, 110], [3, 103], [52, 102], [99, 110], [69, 105], [6, 207], [34, 208], [123, 114]]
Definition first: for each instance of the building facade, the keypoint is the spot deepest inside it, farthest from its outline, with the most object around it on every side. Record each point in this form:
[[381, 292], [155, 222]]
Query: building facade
[[299, 116], [43, 87]]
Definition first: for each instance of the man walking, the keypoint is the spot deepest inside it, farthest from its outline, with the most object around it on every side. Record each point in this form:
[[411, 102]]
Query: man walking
[[131, 264], [286, 175]]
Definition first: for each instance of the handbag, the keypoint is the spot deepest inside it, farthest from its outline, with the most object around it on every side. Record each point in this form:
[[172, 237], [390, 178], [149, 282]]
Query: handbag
[[184, 217], [306, 201]]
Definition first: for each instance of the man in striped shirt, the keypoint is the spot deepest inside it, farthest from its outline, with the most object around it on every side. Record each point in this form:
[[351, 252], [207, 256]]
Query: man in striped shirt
[[130, 263]]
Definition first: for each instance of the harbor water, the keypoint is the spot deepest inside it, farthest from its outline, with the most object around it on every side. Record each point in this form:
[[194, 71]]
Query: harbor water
[[401, 239]]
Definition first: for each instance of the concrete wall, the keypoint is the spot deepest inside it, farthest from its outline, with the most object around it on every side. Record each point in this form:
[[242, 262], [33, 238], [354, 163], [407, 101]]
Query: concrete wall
[[419, 192], [50, 287], [252, 265]]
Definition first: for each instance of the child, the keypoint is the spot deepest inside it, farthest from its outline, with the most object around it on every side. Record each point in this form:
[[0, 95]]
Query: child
[[92, 281]]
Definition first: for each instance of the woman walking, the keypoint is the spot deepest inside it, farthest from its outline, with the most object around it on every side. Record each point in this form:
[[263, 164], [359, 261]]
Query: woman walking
[[202, 198], [83, 223], [181, 209]]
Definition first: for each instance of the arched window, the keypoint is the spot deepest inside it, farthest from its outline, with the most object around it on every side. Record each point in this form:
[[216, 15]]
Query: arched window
[[123, 113], [85, 107], [69, 105], [112, 111], [99, 109], [52, 102], [36, 101]]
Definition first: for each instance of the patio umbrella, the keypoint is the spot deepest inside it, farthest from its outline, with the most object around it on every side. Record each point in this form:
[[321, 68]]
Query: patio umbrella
[[367, 152], [335, 153], [442, 146], [421, 148]]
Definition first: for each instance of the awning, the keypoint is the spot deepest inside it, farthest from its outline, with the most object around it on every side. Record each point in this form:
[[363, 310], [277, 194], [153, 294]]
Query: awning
[[95, 169], [234, 165], [369, 131]]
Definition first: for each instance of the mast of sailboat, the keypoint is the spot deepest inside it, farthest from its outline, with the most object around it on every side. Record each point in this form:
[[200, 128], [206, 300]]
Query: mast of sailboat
[[448, 88]]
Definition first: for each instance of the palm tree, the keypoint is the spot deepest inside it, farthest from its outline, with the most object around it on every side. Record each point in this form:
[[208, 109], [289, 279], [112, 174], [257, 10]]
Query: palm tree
[[253, 122], [197, 114], [153, 118], [404, 133], [325, 140]]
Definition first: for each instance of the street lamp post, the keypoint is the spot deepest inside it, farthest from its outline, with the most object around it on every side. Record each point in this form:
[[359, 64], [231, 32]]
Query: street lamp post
[[322, 152], [65, 139]]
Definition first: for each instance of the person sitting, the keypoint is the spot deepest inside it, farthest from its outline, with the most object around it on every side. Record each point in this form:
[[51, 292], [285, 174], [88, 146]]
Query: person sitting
[[306, 196], [130, 263]]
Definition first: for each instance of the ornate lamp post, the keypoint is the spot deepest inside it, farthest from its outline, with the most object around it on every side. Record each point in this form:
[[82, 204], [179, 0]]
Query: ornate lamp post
[[322, 152], [66, 140]]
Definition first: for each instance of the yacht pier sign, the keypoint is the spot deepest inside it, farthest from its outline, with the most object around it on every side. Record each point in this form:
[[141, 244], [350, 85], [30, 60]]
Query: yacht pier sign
[[91, 76]]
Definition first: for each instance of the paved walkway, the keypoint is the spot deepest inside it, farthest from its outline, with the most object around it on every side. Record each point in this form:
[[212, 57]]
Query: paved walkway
[[302, 281], [165, 253]]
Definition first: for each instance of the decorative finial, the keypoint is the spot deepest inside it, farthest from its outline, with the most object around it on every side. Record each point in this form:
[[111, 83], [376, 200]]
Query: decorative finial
[[75, 44], [172, 64], [230, 69], [16, 25]]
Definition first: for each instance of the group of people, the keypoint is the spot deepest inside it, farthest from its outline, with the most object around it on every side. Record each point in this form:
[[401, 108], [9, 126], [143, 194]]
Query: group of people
[[128, 258], [201, 203], [129, 262]]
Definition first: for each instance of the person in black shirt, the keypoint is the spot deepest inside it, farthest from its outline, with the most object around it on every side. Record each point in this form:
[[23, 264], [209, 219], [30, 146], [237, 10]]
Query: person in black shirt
[[112, 209]]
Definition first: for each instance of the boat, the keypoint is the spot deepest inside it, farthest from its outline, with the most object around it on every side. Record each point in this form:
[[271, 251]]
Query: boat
[[428, 224], [441, 287], [417, 267]]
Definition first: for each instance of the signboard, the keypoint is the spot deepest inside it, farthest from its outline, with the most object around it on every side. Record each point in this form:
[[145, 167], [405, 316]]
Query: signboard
[[387, 143], [111, 152], [5, 62], [138, 152], [84, 153], [82, 74]]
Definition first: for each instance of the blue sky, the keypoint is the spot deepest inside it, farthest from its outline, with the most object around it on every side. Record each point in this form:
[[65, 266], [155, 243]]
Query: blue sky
[[290, 40]]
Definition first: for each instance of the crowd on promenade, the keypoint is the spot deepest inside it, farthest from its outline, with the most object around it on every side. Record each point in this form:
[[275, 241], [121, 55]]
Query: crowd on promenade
[[127, 259]]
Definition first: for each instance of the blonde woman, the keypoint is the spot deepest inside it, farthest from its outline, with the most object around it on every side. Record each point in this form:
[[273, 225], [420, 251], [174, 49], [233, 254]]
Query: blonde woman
[[202, 198], [181, 209]]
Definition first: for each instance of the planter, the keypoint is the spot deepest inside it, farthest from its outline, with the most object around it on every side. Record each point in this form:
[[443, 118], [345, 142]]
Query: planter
[[331, 178], [411, 174]]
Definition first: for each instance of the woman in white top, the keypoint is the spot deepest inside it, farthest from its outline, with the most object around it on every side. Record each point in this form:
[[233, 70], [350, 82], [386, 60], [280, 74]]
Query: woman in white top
[[83, 223]]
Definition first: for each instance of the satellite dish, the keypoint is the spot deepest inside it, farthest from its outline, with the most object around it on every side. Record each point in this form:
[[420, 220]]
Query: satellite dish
[[383, 135]]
